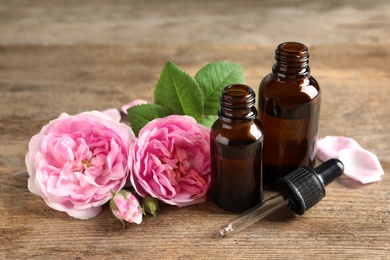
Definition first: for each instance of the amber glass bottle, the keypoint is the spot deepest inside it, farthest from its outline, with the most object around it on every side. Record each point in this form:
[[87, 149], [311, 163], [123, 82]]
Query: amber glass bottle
[[236, 147], [289, 105]]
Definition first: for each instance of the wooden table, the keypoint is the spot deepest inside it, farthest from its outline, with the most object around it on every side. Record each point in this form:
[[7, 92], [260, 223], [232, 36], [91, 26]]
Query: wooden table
[[74, 56]]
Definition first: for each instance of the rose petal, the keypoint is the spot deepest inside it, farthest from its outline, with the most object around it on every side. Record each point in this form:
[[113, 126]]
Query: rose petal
[[113, 113], [133, 103], [361, 165], [330, 146]]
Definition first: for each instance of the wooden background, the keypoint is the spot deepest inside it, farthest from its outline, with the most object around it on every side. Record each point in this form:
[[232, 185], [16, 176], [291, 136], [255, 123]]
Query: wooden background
[[74, 56]]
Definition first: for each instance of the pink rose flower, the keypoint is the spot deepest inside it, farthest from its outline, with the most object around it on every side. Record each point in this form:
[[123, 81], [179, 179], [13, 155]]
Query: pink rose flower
[[125, 206], [170, 160], [75, 161]]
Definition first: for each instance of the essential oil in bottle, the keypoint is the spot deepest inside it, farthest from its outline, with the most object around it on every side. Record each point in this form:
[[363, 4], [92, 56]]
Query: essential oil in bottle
[[289, 105], [236, 147]]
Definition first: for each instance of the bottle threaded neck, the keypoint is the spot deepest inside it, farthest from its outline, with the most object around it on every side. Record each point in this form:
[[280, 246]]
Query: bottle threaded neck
[[237, 104], [292, 60]]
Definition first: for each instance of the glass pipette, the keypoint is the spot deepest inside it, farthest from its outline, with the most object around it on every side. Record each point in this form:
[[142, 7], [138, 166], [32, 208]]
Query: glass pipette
[[300, 190]]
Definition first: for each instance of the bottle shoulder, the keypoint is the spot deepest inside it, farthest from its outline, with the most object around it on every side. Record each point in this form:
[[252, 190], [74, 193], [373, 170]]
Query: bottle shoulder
[[299, 90], [241, 133], [271, 80]]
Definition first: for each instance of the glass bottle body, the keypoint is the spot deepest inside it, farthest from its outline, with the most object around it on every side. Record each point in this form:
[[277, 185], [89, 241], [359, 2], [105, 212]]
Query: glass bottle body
[[236, 147], [289, 105]]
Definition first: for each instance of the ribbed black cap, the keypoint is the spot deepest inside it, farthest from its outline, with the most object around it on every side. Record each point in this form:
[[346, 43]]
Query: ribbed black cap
[[305, 187]]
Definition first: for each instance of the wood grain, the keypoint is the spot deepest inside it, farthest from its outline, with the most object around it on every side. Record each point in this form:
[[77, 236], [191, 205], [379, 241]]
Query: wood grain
[[75, 56]]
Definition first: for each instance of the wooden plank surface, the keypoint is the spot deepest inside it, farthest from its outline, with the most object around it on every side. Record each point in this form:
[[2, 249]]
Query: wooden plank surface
[[74, 56]]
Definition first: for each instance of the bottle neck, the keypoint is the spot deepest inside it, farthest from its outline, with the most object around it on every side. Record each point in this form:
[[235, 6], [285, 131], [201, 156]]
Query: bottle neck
[[292, 60], [237, 104]]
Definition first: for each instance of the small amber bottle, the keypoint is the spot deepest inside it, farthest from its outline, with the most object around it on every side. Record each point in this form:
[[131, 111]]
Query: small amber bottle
[[236, 147], [289, 105]]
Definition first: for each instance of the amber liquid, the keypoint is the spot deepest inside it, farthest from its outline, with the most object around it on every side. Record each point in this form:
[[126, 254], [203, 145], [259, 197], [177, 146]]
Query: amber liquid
[[289, 143], [236, 174]]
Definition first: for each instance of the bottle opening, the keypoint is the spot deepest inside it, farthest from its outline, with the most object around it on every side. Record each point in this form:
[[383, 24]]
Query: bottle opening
[[238, 90], [292, 60], [237, 96], [293, 47], [237, 102]]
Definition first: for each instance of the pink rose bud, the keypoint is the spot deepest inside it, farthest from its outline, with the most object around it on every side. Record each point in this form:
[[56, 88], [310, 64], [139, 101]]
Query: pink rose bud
[[150, 205], [125, 206]]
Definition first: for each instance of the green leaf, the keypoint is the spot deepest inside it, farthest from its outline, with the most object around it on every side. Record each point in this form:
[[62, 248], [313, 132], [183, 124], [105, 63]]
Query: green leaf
[[140, 115], [213, 78], [208, 120], [179, 92]]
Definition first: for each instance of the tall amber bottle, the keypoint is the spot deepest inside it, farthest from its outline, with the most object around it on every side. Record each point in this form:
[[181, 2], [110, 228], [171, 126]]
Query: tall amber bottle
[[236, 147], [289, 105]]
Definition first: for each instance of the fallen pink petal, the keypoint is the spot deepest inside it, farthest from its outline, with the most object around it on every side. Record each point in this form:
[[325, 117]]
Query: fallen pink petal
[[133, 103], [330, 146], [359, 164]]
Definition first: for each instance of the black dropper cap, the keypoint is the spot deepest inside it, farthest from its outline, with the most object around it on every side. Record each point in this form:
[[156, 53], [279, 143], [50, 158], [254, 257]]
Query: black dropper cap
[[305, 187]]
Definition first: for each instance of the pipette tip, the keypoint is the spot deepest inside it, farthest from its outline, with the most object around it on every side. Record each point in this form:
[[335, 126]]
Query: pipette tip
[[225, 230]]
